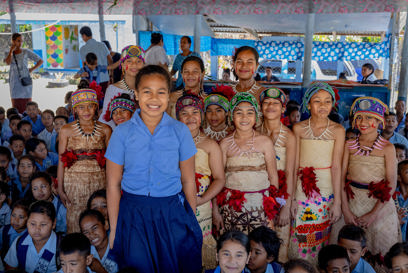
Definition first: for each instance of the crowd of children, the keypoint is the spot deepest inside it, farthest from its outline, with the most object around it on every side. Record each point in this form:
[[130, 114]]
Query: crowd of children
[[145, 180]]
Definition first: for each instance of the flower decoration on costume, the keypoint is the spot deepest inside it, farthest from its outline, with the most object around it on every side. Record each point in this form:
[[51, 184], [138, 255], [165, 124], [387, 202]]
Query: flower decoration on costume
[[274, 93], [309, 180], [189, 100], [232, 198], [313, 89], [380, 190], [84, 96], [119, 102], [70, 157], [369, 106], [244, 97], [349, 190], [271, 207], [131, 51], [221, 96]]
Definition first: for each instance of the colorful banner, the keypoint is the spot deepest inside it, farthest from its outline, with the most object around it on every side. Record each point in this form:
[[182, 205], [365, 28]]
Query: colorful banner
[[54, 46]]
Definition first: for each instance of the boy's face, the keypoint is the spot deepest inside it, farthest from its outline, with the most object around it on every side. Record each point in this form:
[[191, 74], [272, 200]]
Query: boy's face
[[92, 66], [41, 189], [354, 250], [25, 168], [18, 219], [47, 119], [62, 111], [26, 131], [4, 161], [2, 117], [40, 226], [99, 204], [400, 263], [391, 123], [403, 175], [340, 265], [32, 111], [58, 123], [75, 262], [95, 231], [259, 259], [13, 126], [400, 154], [40, 151], [17, 147]]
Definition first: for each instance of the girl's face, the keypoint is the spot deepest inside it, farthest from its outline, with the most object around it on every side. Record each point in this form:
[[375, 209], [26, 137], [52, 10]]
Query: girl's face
[[245, 65], [39, 227], [40, 151], [58, 123], [18, 42], [272, 109], [13, 125], [25, 168], [18, 219], [99, 203], [366, 124], [18, 148], [321, 104], [190, 116], [192, 75], [216, 116], [121, 115], [400, 264], [153, 96], [95, 231], [294, 117], [184, 44], [365, 71], [41, 189], [232, 257], [86, 111], [131, 66], [244, 116]]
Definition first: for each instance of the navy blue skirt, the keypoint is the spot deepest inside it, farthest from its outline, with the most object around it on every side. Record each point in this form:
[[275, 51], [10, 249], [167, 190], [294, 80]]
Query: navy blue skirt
[[157, 234]]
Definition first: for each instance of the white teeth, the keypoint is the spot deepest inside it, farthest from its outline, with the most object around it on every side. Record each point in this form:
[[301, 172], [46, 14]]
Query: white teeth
[[154, 106]]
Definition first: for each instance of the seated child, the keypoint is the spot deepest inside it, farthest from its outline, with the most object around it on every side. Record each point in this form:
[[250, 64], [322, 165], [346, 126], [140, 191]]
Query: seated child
[[233, 251], [59, 121], [352, 133], [17, 226], [299, 266], [20, 186], [35, 251], [4, 207], [13, 121], [17, 146], [334, 259], [265, 246], [401, 200], [41, 188], [5, 131], [34, 117], [25, 129], [37, 148], [75, 254], [397, 258], [47, 118], [94, 226], [91, 71], [5, 163], [353, 239], [401, 151], [97, 201]]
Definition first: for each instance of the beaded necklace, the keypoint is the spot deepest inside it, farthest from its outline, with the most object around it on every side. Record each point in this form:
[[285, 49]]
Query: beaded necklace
[[216, 135], [79, 129], [378, 144]]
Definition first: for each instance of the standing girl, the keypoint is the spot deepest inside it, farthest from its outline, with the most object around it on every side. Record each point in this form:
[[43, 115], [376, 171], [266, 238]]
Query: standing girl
[[151, 159], [370, 175], [273, 101], [316, 203], [192, 71], [209, 171], [82, 145], [250, 170], [245, 64], [131, 61]]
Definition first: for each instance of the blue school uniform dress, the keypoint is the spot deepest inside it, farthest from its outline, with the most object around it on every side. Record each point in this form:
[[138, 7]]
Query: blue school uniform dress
[[25, 256], [16, 189], [157, 230], [61, 210], [218, 270], [107, 262], [402, 204], [38, 126], [7, 236], [50, 160], [5, 213], [363, 267], [47, 137]]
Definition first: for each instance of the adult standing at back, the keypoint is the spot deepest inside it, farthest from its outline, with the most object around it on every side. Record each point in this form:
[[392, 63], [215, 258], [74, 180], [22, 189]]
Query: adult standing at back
[[116, 75], [156, 54], [185, 45], [21, 92], [101, 52]]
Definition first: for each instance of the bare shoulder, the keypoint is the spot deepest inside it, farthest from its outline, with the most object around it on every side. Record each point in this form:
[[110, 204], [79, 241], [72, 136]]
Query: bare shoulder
[[210, 145], [175, 95], [297, 128], [288, 131], [225, 142], [389, 148], [263, 141], [105, 128], [337, 127]]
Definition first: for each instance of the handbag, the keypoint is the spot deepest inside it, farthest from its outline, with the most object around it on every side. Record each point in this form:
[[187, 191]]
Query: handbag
[[25, 81]]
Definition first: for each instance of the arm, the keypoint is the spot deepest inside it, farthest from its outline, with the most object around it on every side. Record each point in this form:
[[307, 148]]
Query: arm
[[270, 160], [109, 58], [349, 217], [108, 132], [113, 177], [188, 181], [113, 65], [9, 57], [37, 65], [293, 208], [62, 146]]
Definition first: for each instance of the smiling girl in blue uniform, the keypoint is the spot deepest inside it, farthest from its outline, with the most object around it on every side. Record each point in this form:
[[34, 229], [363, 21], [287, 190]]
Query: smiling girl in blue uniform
[[151, 159]]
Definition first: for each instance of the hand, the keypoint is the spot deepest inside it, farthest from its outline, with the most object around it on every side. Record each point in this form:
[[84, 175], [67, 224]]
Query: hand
[[84, 75], [12, 48], [366, 220], [218, 221], [335, 212], [293, 209], [112, 234], [284, 216], [200, 201], [64, 198], [31, 69], [96, 266], [350, 218]]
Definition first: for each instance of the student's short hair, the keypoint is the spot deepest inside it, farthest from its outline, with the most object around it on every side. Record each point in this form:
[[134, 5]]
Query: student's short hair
[[186, 37], [292, 264], [390, 113], [400, 146], [22, 123], [61, 117], [95, 194], [2, 110], [5, 151], [21, 204], [43, 207], [86, 31], [93, 213], [43, 175], [108, 46], [353, 233], [155, 38], [16, 138], [11, 112], [29, 157], [4, 189], [48, 111], [52, 171], [32, 103], [14, 117], [32, 144], [227, 70], [329, 253], [152, 70], [75, 242], [235, 236], [369, 66], [398, 249], [268, 238], [401, 165], [83, 83], [91, 58]]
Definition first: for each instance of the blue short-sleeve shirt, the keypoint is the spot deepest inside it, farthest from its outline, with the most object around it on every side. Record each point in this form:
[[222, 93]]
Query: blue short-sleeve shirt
[[363, 267], [151, 161], [37, 126]]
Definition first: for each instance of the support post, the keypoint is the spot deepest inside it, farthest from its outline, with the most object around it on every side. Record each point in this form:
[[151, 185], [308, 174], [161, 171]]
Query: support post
[[101, 21], [394, 31], [197, 32], [214, 68], [403, 83], [13, 21], [307, 61]]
